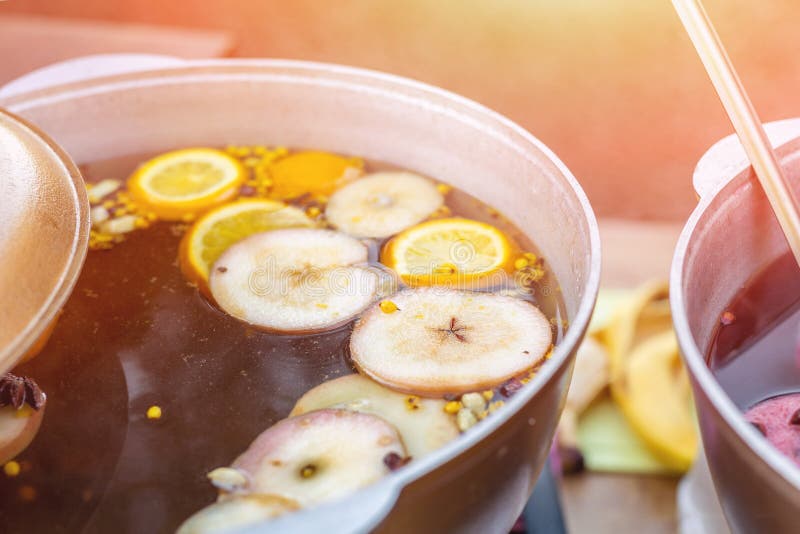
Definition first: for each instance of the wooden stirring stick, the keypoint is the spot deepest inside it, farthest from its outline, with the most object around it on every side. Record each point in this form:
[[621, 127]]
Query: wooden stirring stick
[[743, 117]]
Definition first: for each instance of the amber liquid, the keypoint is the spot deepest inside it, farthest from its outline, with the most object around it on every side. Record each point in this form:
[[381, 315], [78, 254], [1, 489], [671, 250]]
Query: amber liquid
[[757, 355], [136, 334]]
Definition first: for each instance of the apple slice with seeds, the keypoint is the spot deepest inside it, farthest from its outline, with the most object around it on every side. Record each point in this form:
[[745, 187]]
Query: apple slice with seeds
[[433, 341], [320, 455], [237, 512], [22, 406], [296, 280], [423, 423], [382, 204]]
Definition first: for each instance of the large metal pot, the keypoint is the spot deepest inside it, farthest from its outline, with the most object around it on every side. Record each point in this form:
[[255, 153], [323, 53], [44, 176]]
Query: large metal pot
[[478, 483], [730, 236]]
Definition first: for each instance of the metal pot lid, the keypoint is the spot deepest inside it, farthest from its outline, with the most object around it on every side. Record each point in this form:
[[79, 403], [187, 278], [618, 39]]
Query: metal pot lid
[[44, 231]]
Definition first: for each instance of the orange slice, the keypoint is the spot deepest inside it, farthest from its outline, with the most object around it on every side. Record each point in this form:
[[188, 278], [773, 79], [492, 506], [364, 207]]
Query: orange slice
[[217, 230], [185, 182], [450, 251], [317, 173]]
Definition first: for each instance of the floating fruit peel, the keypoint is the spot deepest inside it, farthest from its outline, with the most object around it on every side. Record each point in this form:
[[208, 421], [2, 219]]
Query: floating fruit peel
[[647, 423], [312, 172]]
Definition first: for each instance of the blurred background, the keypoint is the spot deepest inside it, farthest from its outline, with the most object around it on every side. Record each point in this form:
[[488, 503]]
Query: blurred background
[[613, 86]]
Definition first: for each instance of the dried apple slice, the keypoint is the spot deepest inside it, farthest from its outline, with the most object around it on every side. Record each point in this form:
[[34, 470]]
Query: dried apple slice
[[294, 280], [22, 406], [435, 341], [320, 455], [17, 430], [423, 424], [382, 204], [237, 512]]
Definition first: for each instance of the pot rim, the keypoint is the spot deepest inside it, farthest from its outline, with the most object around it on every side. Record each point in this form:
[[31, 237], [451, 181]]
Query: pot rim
[[694, 358], [429, 98]]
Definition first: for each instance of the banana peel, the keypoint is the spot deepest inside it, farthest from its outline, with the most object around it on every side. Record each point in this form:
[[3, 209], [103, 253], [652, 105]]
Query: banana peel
[[631, 350], [654, 395], [646, 312], [647, 377], [589, 377], [609, 444]]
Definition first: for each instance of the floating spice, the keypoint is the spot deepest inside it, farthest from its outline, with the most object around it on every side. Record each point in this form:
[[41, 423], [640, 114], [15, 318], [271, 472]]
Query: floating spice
[[17, 390], [394, 461], [727, 318], [11, 469], [511, 387]]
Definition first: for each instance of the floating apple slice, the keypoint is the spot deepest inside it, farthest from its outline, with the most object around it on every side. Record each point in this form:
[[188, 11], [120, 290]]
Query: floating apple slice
[[423, 424], [22, 406], [237, 512], [382, 204], [17, 430], [436, 341], [320, 455], [294, 280]]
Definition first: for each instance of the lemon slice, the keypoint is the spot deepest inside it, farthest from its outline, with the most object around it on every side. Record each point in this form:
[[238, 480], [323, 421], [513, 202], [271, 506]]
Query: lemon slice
[[451, 251], [186, 182], [317, 173], [217, 230]]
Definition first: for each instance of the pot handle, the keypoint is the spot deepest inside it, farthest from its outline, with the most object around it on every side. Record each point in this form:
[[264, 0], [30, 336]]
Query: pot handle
[[359, 513], [727, 158], [84, 68]]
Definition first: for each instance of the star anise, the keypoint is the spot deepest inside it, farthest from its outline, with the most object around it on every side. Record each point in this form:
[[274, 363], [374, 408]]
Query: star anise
[[18, 390], [456, 330], [511, 387], [394, 461]]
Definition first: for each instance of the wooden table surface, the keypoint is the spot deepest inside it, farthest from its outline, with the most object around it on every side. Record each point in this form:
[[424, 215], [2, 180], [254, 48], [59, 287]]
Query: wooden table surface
[[633, 252]]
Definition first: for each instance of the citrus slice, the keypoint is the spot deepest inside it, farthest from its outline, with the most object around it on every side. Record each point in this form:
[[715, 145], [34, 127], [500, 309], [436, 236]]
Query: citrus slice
[[186, 182], [317, 173], [217, 230], [451, 251]]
